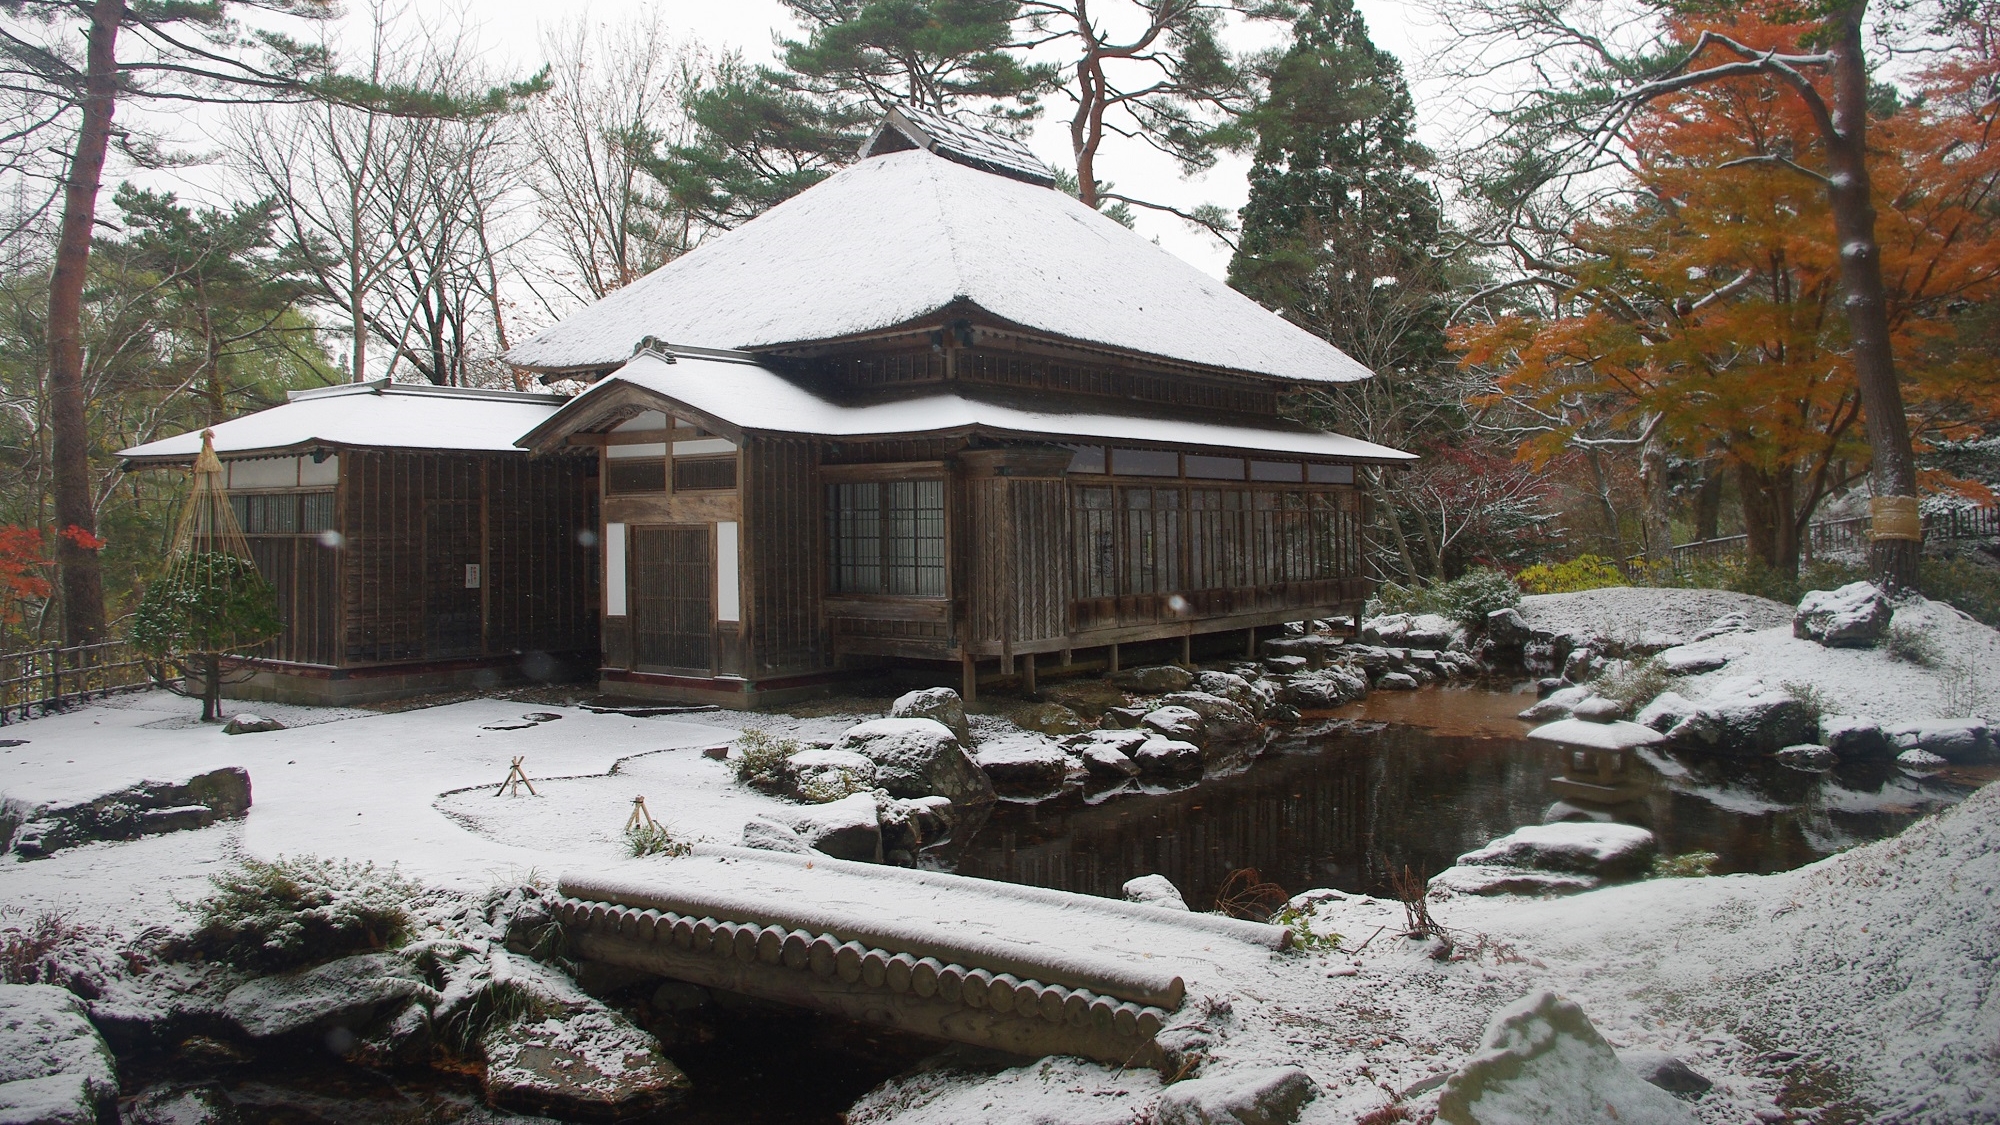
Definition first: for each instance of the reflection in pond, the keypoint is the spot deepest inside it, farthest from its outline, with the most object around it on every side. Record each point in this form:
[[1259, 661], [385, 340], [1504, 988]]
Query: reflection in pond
[[1337, 801]]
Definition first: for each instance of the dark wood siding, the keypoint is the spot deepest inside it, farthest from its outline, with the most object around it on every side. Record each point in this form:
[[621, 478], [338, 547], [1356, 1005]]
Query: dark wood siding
[[542, 563], [782, 526], [673, 612], [306, 572]]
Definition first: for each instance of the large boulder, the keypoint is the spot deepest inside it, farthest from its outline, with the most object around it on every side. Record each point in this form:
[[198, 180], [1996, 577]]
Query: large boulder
[[850, 828], [1741, 715], [939, 704], [1488, 879], [1608, 851], [1226, 727], [1396, 681], [1167, 757], [246, 723], [343, 994], [1506, 628], [818, 773], [1107, 754], [588, 1064], [1685, 661], [1023, 764], [1176, 722], [1958, 741], [918, 758], [1854, 616], [1324, 690], [1557, 704], [54, 1067], [1157, 679], [145, 809], [1544, 1063], [1046, 718], [1254, 696], [1314, 649], [1258, 1096], [1854, 737], [1406, 630]]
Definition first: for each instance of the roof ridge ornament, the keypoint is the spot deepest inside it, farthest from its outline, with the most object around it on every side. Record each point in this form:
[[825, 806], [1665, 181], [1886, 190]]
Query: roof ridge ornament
[[654, 346], [905, 127]]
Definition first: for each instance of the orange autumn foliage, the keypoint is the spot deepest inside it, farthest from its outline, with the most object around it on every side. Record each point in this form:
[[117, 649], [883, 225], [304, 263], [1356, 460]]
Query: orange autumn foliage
[[1710, 298]]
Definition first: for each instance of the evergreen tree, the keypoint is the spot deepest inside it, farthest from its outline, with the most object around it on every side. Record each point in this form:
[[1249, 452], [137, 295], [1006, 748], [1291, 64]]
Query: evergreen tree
[[766, 133], [1341, 233]]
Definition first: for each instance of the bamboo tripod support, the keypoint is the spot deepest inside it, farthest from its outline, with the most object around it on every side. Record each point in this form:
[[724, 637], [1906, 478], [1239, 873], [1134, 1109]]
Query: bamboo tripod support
[[641, 818], [516, 778]]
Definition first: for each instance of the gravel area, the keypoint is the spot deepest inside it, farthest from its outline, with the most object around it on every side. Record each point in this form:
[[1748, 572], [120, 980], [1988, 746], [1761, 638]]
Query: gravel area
[[1677, 615]]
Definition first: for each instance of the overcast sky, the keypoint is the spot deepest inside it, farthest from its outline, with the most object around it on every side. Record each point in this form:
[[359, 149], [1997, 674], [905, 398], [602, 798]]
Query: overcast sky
[[508, 30]]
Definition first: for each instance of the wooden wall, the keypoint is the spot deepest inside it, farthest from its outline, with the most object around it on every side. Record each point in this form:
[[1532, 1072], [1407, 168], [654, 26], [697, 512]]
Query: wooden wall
[[784, 566], [413, 521]]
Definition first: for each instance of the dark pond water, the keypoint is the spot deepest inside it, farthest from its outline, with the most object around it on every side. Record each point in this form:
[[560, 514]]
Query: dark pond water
[[1417, 779]]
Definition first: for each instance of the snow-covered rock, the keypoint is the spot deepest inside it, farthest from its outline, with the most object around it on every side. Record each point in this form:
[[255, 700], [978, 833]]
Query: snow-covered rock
[[54, 1067], [1167, 756], [769, 835], [1253, 696], [1489, 879], [1854, 616], [1665, 1071], [1249, 1096], [1958, 741], [1323, 690], [1046, 718], [1543, 1063], [1154, 890], [1396, 681], [1507, 628], [1176, 722], [1557, 704], [202, 1103], [1740, 715], [587, 1064], [1023, 763], [1157, 679], [145, 809], [1920, 761], [1608, 851], [1314, 649], [939, 704], [246, 723], [346, 993], [1809, 756], [1685, 661], [917, 758], [1854, 737], [1596, 735], [1225, 725], [1285, 665], [818, 769], [1106, 762], [1406, 630], [1598, 709], [850, 828]]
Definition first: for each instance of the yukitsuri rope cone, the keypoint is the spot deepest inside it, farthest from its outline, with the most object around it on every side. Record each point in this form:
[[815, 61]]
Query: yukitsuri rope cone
[[211, 605]]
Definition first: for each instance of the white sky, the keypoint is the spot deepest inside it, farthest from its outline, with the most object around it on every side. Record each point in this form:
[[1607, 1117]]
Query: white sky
[[508, 30]]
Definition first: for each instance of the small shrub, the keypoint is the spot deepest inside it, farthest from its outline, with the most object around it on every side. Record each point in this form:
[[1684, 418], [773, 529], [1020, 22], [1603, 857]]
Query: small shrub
[[1585, 572], [1246, 894], [832, 785], [655, 839], [28, 949], [291, 912], [761, 758], [1965, 694], [1304, 939], [1912, 645], [1635, 685], [1466, 599], [1816, 702], [1687, 865]]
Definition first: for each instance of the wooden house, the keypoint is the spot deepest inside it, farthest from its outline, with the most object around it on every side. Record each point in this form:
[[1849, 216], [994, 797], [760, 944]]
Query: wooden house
[[934, 410], [413, 545]]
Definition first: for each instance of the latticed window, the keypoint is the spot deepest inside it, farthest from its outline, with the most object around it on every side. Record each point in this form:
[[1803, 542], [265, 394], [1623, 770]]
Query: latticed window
[[886, 537], [283, 513]]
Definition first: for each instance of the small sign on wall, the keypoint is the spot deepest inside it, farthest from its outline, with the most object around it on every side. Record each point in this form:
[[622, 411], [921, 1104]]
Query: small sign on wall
[[472, 576]]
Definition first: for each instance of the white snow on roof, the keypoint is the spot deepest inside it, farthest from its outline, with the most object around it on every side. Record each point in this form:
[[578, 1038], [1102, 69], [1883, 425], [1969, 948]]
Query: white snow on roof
[[377, 414], [898, 237], [751, 397], [907, 125]]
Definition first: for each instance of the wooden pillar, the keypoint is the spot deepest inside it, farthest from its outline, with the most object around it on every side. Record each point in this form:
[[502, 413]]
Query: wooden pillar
[[968, 688], [1250, 643], [1028, 674], [1187, 648], [1068, 657], [1111, 660]]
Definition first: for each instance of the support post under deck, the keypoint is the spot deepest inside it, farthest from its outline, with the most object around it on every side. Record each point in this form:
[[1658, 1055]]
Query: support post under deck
[[1028, 674], [968, 683]]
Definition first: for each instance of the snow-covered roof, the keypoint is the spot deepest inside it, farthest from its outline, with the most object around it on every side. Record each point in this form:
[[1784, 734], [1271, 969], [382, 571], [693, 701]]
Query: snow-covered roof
[[906, 127], [377, 414], [899, 237], [749, 397]]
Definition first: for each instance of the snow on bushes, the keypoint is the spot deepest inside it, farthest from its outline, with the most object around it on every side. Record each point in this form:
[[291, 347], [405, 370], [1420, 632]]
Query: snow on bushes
[[281, 914]]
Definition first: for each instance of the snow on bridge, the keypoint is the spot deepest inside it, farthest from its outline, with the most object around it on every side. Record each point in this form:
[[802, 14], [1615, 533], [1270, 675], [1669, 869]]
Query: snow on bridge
[[1020, 969]]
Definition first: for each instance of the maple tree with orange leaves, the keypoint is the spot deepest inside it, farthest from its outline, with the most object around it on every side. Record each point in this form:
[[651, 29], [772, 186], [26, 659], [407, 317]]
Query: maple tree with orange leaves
[[1707, 304]]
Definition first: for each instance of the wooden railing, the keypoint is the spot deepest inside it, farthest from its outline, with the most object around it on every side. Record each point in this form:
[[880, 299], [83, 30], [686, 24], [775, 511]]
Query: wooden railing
[[1826, 537], [52, 679]]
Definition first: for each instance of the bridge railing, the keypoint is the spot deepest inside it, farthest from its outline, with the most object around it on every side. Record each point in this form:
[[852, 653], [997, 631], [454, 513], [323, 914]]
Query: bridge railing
[[41, 680]]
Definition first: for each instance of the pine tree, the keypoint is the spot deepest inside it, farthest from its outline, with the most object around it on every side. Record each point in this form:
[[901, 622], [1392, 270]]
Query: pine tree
[[767, 133], [1340, 233]]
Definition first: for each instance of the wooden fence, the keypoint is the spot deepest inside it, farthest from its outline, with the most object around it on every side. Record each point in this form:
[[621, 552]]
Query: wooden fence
[[1829, 537], [52, 679]]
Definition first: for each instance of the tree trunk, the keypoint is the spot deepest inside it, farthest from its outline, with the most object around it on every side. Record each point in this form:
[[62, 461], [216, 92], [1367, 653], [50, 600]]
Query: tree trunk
[[1655, 521], [211, 688], [1892, 472], [76, 561], [1607, 509], [1708, 504], [1768, 519]]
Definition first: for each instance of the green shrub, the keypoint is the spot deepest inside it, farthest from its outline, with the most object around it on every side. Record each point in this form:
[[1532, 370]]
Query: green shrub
[[207, 606], [1687, 865], [1303, 938], [1966, 583], [1817, 703], [761, 758], [827, 786], [655, 839], [1912, 645], [1635, 685], [1466, 599], [1585, 572], [286, 913]]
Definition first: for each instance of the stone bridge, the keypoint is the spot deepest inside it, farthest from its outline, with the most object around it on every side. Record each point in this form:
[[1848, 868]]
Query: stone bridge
[[1019, 969]]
